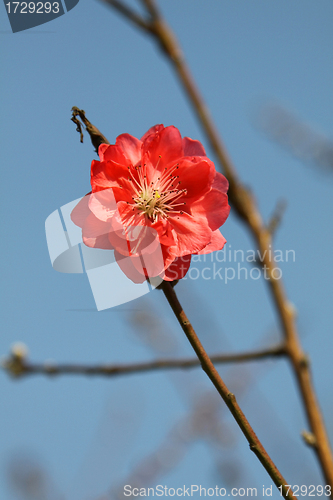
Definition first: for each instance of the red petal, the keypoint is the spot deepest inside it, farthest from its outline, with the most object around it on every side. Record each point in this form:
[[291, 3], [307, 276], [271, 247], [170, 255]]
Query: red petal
[[152, 130], [220, 183], [103, 204], [178, 268], [162, 148], [101, 149], [139, 267], [216, 243], [130, 215], [130, 146], [193, 148], [165, 233], [95, 233], [117, 238], [153, 261], [142, 240], [106, 174], [112, 152], [214, 207], [193, 233], [169, 254], [130, 266], [130, 235], [81, 211], [196, 176]]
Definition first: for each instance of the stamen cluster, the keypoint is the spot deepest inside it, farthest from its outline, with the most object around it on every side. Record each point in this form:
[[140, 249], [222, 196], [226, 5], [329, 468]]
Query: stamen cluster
[[156, 199]]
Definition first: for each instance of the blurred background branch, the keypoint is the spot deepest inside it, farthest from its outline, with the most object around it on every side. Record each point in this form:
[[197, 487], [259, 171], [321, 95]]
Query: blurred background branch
[[17, 365], [297, 137]]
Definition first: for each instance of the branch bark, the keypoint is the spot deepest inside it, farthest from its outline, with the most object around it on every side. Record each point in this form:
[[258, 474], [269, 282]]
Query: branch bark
[[227, 396], [18, 366], [97, 138]]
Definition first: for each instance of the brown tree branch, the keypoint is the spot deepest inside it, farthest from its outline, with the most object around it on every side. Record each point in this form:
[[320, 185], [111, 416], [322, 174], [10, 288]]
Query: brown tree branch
[[97, 138], [276, 217], [18, 365], [244, 204], [296, 136], [129, 14], [227, 396]]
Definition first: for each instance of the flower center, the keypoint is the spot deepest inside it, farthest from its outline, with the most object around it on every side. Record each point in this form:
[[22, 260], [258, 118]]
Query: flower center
[[149, 202], [158, 199]]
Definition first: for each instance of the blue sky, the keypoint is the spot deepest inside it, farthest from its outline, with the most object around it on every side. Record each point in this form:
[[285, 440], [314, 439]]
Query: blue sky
[[90, 434]]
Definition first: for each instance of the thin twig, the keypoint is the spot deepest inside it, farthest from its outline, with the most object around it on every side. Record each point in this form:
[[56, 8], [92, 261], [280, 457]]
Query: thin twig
[[97, 138], [276, 217], [227, 396], [244, 204], [151, 8], [296, 136], [132, 16], [18, 366]]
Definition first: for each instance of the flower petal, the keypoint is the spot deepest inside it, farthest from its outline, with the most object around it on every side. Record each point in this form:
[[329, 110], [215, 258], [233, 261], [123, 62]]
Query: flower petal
[[195, 175], [142, 240], [169, 255], [220, 183], [132, 238], [193, 233], [142, 266], [130, 266], [81, 211], [214, 207], [153, 130], [165, 232], [103, 204], [130, 146], [178, 268], [101, 149], [95, 233], [117, 238], [112, 153], [107, 174], [153, 260], [193, 148], [130, 215], [216, 243], [162, 148]]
